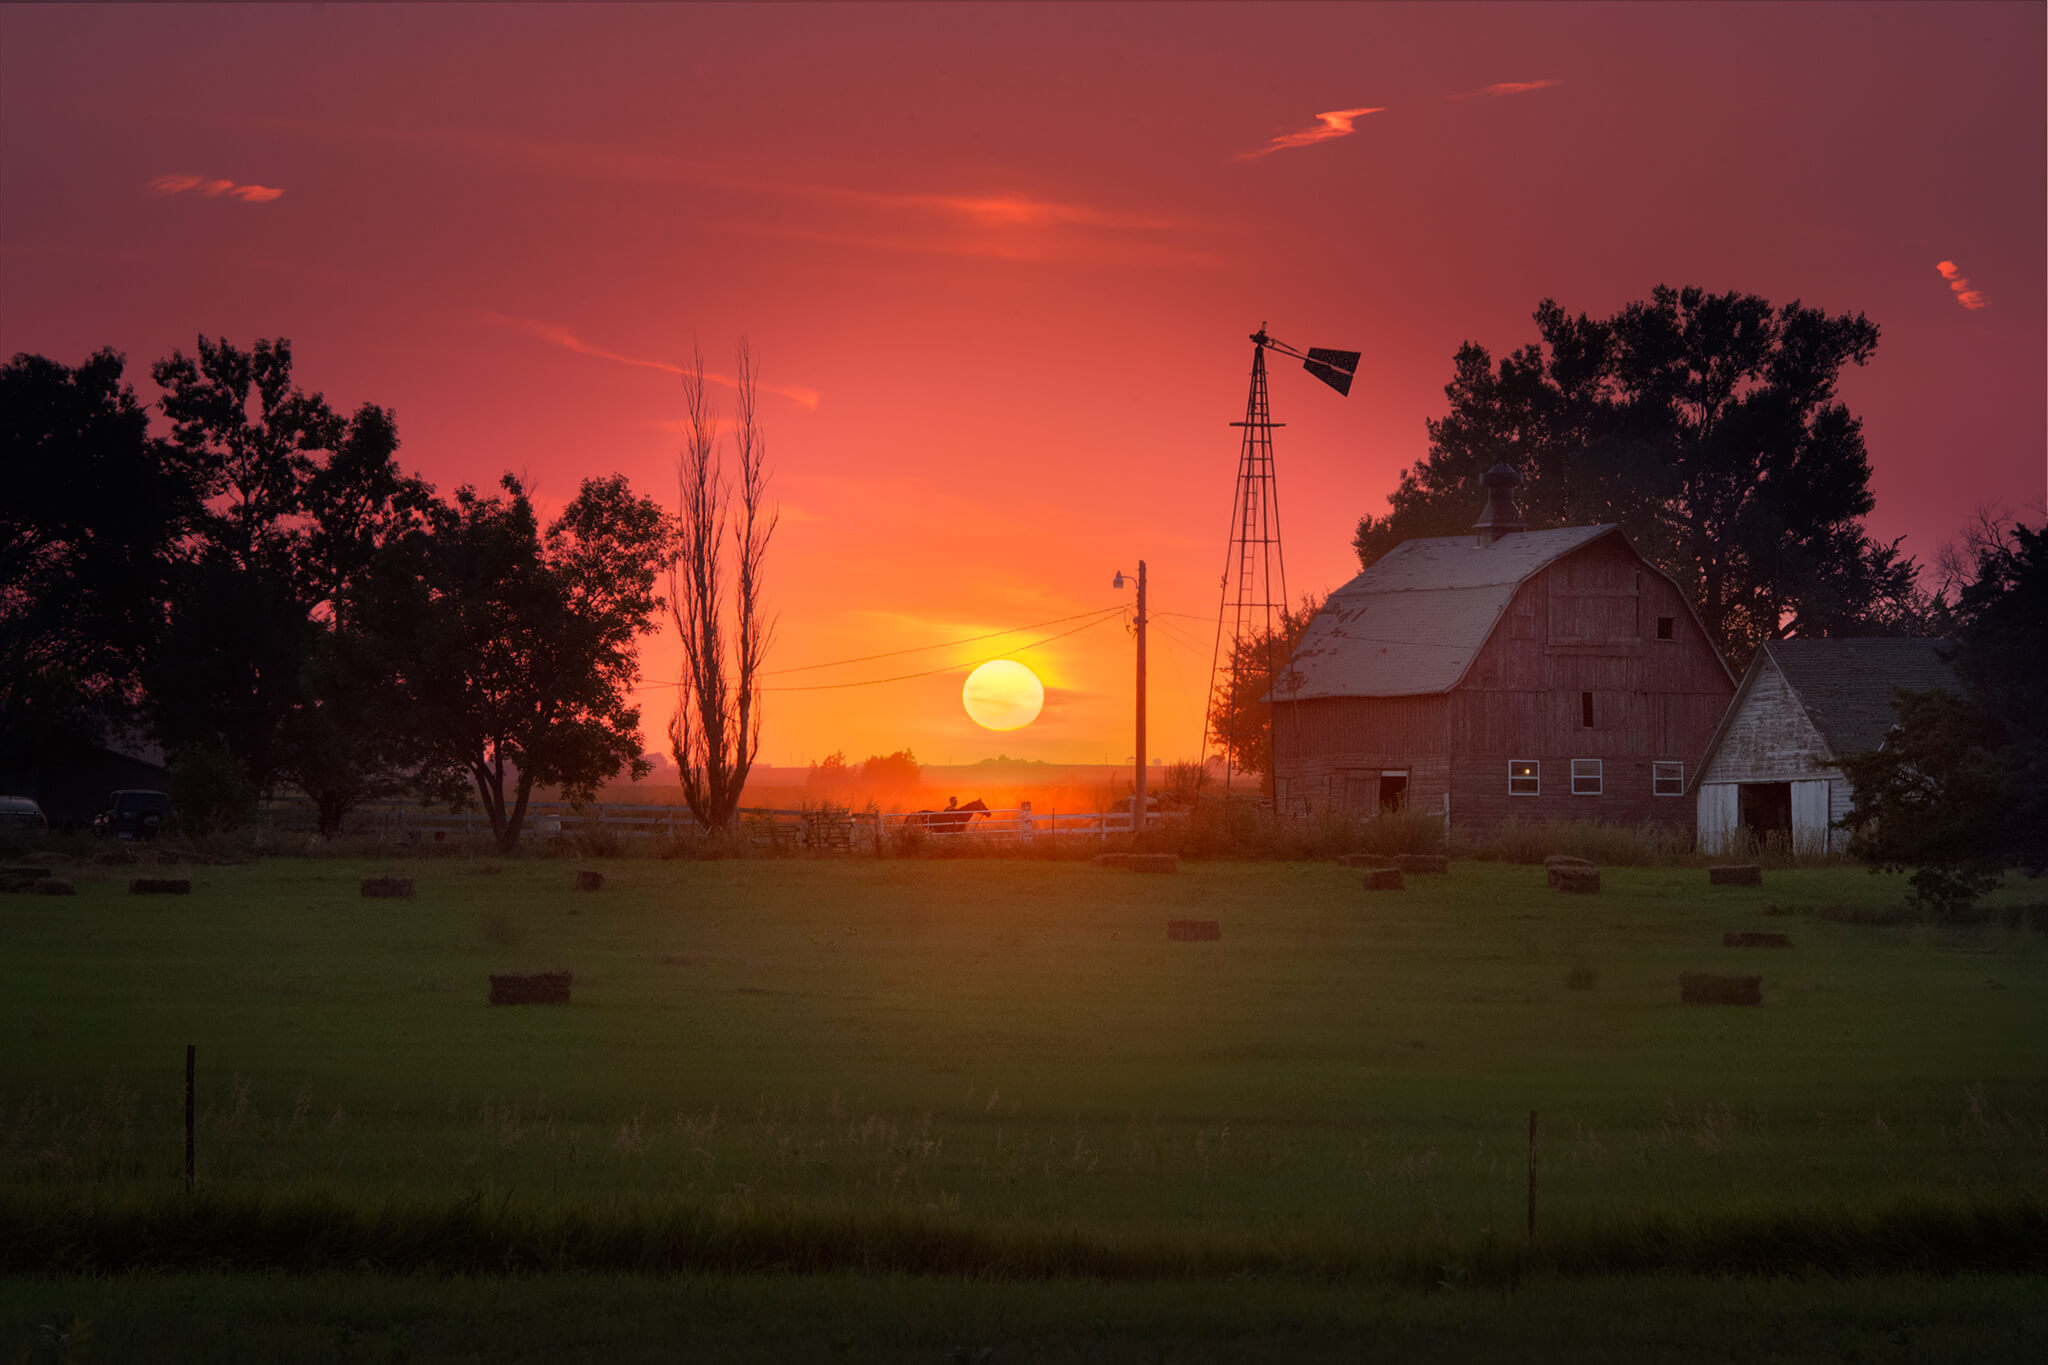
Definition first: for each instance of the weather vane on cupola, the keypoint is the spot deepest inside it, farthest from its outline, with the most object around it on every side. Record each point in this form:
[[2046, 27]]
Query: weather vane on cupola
[[1254, 567]]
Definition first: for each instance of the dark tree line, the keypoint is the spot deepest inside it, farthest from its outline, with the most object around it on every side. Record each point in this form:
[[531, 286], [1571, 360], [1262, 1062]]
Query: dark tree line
[[1959, 790], [1711, 428], [267, 593]]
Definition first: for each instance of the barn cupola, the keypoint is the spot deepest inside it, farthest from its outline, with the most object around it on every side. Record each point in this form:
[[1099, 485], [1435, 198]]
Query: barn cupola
[[1501, 517]]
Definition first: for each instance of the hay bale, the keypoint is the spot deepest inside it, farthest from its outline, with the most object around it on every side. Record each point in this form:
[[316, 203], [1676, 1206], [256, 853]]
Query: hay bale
[[1367, 860], [1750, 938], [117, 857], [1422, 864], [1191, 930], [1582, 881], [1702, 988], [1109, 859], [1383, 879], [532, 988], [1737, 874], [160, 886], [587, 880], [1567, 860], [387, 888], [54, 886], [20, 878]]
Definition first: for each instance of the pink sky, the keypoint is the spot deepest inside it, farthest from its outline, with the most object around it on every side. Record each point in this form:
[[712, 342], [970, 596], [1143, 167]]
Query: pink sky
[[999, 264]]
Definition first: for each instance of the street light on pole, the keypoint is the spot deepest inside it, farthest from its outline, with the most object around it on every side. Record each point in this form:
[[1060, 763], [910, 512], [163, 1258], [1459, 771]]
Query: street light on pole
[[1138, 798]]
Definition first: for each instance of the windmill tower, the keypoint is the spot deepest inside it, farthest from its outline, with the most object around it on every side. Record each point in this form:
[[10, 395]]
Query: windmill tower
[[1251, 613]]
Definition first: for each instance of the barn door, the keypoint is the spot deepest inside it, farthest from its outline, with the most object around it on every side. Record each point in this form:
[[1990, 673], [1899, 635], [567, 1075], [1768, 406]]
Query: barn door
[[1716, 815], [1810, 816]]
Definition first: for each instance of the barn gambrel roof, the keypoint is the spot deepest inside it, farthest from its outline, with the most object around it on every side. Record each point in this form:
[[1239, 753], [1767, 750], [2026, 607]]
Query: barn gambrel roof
[[1415, 620]]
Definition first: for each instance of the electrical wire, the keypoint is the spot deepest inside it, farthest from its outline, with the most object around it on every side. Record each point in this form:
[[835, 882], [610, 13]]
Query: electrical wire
[[1100, 619], [943, 644]]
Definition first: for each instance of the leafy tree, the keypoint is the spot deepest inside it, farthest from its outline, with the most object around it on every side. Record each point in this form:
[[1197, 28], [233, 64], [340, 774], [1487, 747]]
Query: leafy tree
[[891, 772], [1709, 427], [715, 732], [297, 501], [1240, 715], [1959, 791], [92, 523], [517, 651], [830, 774]]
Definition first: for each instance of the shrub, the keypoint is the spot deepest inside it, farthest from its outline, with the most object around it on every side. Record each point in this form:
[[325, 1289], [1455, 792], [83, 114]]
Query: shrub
[[209, 790]]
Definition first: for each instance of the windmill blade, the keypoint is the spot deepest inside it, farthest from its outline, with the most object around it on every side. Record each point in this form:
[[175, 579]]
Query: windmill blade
[[1334, 368]]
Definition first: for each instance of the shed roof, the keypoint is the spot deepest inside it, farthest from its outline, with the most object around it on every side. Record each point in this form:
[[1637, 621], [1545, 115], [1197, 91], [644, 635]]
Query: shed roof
[[1414, 621], [1846, 686]]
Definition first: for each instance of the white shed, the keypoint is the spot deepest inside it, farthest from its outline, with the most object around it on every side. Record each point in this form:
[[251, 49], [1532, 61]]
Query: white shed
[[1774, 765]]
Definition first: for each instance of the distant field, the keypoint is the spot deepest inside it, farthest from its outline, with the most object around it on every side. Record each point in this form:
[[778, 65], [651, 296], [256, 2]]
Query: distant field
[[983, 1067]]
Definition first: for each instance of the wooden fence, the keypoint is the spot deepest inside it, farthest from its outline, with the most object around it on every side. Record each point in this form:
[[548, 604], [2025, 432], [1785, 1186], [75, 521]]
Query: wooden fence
[[815, 828]]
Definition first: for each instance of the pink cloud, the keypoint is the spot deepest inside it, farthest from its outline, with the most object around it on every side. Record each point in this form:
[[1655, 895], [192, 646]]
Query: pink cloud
[[1972, 299], [1506, 88], [215, 189], [1335, 123], [569, 341]]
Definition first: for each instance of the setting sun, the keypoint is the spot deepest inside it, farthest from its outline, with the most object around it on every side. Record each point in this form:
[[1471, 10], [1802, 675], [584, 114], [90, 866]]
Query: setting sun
[[1003, 695]]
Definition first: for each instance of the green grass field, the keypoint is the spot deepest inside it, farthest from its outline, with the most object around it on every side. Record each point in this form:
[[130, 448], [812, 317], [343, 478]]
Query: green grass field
[[1004, 1070]]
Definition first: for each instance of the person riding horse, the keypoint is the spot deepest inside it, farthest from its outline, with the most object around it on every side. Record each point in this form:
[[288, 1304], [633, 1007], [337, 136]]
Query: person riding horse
[[952, 820]]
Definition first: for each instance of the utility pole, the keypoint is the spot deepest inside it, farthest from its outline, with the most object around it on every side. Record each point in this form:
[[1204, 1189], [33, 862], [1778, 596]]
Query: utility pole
[[1138, 798], [1138, 787]]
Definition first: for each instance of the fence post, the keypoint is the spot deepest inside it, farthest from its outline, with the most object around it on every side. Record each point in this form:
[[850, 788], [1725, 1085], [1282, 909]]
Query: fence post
[[1025, 825], [1532, 1175], [191, 1057]]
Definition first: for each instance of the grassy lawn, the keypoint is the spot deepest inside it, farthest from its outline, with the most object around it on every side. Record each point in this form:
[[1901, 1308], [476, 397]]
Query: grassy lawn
[[1003, 1068]]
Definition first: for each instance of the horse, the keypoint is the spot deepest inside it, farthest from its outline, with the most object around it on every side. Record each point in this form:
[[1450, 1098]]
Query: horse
[[951, 820]]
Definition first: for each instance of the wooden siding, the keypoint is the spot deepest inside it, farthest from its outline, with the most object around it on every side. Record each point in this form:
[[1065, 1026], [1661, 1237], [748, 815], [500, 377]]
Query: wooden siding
[[1770, 738], [1480, 799], [1587, 623]]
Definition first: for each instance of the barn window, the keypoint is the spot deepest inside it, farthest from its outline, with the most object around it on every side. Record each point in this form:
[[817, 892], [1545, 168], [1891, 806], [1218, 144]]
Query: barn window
[[1525, 777], [1585, 777], [1664, 628], [1586, 710], [1667, 779]]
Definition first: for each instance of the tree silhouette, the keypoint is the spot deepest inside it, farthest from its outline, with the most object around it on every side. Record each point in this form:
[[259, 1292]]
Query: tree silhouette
[[516, 652], [1959, 789], [297, 500], [1240, 711], [94, 518], [1709, 426], [715, 731]]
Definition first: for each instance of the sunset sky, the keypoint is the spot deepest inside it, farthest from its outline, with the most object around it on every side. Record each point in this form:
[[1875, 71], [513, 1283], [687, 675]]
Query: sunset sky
[[999, 264]]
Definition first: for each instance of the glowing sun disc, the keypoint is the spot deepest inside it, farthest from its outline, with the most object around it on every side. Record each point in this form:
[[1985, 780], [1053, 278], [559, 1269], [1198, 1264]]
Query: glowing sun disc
[[1003, 695]]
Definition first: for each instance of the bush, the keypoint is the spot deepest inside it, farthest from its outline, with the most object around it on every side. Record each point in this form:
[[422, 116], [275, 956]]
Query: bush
[[209, 790]]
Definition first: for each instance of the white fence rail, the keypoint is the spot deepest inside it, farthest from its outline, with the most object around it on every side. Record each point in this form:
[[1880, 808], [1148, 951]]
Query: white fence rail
[[816, 828]]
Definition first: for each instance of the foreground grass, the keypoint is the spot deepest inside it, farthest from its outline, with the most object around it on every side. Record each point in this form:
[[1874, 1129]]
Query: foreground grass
[[175, 1318], [1009, 1057]]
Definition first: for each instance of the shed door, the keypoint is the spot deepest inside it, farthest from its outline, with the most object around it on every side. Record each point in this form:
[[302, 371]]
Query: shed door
[[1810, 816], [1716, 815]]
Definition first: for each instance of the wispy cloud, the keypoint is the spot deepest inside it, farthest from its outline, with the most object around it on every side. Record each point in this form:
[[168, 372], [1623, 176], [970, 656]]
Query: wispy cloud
[[1000, 222], [1500, 88], [1335, 123], [1972, 299], [215, 189], [569, 341]]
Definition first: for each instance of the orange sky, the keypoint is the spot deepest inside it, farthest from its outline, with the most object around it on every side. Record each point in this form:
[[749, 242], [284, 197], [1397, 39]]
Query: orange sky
[[999, 263]]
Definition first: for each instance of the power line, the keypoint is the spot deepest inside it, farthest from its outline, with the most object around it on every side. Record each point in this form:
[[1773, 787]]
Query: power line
[[943, 644], [951, 668]]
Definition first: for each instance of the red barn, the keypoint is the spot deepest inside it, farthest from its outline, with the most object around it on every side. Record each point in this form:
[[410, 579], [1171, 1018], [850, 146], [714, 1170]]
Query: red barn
[[1550, 675]]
